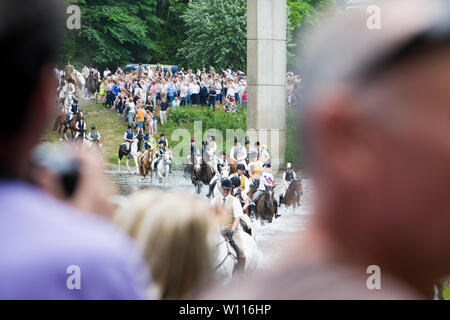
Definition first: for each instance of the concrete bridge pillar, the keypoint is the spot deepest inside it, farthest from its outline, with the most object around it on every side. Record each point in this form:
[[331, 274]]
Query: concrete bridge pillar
[[266, 69]]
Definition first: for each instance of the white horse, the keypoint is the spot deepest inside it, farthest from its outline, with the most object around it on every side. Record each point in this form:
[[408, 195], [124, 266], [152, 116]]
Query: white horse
[[81, 82], [225, 256], [87, 144], [134, 153], [163, 167], [68, 103]]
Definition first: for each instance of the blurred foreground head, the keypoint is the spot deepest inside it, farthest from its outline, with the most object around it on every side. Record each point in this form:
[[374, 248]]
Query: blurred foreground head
[[174, 232], [30, 37], [376, 126]]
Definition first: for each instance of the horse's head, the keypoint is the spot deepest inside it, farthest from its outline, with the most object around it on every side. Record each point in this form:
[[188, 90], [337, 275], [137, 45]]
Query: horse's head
[[167, 157], [269, 196], [225, 172]]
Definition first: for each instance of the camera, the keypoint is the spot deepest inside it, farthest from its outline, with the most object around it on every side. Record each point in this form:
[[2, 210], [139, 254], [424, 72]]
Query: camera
[[61, 162]]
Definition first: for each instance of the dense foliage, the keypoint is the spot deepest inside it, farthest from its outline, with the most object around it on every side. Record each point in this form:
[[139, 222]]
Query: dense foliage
[[182, 32], [217, 34]]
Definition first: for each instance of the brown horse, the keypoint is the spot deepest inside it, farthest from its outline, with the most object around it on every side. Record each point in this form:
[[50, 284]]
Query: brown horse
[[61, 124], [266, 207], [233, 166], [202, 174], [146, 164], [293, 194]]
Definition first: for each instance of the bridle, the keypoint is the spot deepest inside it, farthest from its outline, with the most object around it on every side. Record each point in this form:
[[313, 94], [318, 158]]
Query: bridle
[[229, 253]]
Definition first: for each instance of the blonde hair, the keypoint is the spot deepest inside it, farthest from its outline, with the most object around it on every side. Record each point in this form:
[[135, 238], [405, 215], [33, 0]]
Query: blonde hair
[[174, 233]]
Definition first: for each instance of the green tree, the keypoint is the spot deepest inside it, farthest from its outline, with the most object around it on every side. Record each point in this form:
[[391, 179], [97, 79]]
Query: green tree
[[303, 14], [113, 32], [217, 34]]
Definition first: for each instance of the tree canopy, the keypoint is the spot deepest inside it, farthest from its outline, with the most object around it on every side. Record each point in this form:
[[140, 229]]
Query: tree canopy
[[190, 33]]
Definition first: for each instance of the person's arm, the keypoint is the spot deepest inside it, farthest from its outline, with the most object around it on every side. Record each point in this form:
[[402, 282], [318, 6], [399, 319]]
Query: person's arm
[[237, 213], [246, 200]]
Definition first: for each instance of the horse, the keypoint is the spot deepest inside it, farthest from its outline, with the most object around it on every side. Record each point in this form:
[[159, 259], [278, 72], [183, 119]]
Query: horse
[[225, 258], [293, 194], [233, 166], [146, 164], [134, 152], [92, 85], [224, 173], [68, 101], [87, 144], [203, 174], [80, 81], [61, 122], [163, 167], [266, 207], [188, 166]]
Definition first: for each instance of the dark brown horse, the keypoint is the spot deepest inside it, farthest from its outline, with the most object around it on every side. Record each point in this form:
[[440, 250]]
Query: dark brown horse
[[266, 207], [293, 194], [61, 123], [202, 174], [146, 164]]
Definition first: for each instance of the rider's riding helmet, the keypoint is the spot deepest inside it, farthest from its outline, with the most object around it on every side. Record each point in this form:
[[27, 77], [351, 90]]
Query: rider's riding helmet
[[204, 143], [236, 182], [226, 184], [240, 166], [267, 164], [210, 135], [192, 139], [75, 101], [162, 134], [82, 118], [93, 128], [288, 165], [247, 142], [130, 127], [222, 153]]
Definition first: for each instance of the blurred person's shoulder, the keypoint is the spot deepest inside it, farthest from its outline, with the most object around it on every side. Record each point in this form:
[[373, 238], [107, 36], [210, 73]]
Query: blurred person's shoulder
[[301, 280], [44, 242]]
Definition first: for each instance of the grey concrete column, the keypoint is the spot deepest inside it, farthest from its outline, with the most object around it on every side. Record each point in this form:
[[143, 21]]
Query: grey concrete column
[[266, 69]]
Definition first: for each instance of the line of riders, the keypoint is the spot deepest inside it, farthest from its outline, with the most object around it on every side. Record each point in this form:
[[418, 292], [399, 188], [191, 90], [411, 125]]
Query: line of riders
[[249, 172]]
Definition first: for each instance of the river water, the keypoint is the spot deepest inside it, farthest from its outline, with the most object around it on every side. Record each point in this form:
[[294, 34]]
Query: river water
[[271, 238]]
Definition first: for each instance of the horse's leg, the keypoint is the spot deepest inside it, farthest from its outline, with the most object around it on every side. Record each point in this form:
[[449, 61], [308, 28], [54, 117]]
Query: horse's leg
[[136, 163], [128, 165], [118, 162]]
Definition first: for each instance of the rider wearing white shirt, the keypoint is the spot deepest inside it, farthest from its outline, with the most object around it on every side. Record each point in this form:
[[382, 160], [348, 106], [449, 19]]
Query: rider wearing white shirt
[[232, 213], [266, 179]]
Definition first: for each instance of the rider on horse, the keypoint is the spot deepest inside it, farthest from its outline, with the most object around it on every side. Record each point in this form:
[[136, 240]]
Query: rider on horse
[[129, 138], [254, 168], [212, 148], [239, 193], [80, 127], [238, 153], [240, 174], [263, 152], [162, 138], [266, 180], [247, 149], [94, 136], [222, 164], [160, 153], [288, 176], [150, 144], [74, 109], [230, 220]]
